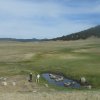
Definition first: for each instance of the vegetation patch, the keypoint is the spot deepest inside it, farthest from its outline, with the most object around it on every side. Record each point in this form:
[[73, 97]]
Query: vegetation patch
[[74, 59]]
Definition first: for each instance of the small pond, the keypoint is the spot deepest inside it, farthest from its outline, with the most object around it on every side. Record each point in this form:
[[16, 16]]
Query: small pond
[[60, 80]]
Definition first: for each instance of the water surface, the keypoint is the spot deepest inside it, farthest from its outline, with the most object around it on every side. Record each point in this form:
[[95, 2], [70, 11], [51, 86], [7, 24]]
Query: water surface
[[61, 83]]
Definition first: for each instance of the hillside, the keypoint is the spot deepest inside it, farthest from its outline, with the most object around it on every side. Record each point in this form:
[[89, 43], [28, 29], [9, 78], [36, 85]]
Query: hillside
[[94, 31]]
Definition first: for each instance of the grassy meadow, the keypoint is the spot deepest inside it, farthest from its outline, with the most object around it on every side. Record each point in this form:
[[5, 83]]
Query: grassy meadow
[[72, 58]]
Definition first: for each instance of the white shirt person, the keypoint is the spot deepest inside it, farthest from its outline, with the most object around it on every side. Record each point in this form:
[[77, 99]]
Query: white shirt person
[[37, 78]]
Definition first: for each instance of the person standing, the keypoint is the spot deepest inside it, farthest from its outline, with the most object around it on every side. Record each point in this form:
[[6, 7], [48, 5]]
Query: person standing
[[37, 78], [30, 77]]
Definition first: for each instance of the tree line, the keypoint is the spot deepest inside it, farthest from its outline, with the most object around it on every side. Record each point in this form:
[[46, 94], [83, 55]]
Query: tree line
[[94, 31]]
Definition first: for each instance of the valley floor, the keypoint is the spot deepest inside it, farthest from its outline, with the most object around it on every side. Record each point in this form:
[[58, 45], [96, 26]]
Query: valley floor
[[51, 96], [24, 90], [72, 58]]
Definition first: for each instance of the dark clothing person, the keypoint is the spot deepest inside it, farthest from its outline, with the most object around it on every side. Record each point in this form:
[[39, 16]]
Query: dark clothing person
[[30, 77]]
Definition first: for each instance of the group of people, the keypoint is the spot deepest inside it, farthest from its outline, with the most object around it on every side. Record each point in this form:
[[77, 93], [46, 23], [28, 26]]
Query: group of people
[[37, 77]]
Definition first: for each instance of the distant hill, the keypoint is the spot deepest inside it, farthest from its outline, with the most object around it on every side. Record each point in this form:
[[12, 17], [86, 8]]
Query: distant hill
[[94, 31], [20, 40], [23, 40]]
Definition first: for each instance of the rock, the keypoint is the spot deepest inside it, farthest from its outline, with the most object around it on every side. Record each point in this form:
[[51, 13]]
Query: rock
[[4, 79], [89, 87], [13, 83], [67, 84], [4, 83], [46, 85], [73, 83], [83, 80], [34, 91], [1, 78], [52, 76]]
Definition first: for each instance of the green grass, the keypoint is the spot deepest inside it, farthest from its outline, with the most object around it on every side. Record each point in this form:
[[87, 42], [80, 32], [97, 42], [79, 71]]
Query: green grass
[[73, 58]]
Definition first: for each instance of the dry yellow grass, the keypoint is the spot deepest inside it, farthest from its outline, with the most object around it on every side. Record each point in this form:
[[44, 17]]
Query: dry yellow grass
[[51, 96], [25, 90], [13, 55]]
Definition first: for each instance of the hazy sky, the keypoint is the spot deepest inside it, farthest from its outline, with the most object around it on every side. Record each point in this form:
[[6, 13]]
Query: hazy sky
[[46, 18]]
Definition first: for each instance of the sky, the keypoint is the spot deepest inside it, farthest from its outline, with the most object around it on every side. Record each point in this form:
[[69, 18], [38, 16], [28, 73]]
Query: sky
[[40, 19]]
